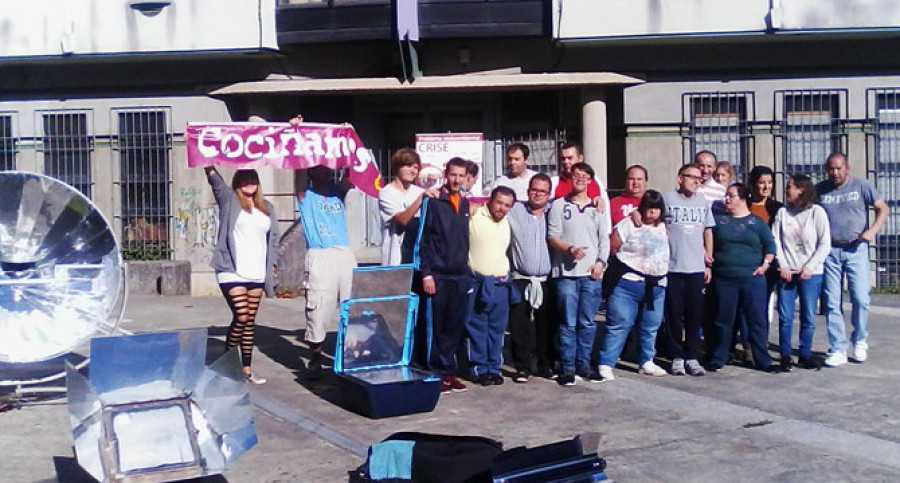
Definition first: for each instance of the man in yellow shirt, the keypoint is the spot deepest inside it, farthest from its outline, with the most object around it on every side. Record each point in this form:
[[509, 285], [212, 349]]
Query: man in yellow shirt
[[489, 238]]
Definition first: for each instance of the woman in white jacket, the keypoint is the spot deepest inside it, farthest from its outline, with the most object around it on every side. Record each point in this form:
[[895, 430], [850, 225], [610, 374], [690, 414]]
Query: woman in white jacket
[[802, 242]]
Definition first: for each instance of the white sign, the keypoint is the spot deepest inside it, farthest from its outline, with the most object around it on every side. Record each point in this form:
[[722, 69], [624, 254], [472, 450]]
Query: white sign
[[436, 149]]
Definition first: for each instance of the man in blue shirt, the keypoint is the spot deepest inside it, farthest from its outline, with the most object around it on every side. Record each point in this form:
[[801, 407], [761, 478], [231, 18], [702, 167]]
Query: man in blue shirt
[[329, 259], [846, 200]]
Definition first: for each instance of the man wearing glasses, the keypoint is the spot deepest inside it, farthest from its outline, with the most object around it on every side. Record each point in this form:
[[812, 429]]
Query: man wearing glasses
[[579, 234], [531, 343], [690, 220]]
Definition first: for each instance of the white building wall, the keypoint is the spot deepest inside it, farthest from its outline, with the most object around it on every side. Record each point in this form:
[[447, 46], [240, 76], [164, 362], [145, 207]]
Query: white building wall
[[597, 19], [89, 27], [578, 20]]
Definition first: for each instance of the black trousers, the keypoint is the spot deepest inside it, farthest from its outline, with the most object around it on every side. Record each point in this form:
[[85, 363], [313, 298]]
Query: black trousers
[[532, 341], [441, 323], [684, 314]]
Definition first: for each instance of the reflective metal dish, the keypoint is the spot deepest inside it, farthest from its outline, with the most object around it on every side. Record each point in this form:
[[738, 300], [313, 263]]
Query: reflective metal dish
[[61, 272]]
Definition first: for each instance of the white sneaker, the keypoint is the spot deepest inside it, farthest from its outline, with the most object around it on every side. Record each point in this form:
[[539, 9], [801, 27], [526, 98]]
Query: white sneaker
[[254, 379], [859, 352], [651, 369], [836, 359], [678, 367], [606, 373]]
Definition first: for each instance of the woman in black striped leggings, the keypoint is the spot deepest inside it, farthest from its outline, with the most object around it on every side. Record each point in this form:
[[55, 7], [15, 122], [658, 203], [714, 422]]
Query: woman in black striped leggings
[[244, 256]]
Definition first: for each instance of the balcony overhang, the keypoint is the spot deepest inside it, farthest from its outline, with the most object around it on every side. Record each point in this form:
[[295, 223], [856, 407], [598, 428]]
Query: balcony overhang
[[389, 85]]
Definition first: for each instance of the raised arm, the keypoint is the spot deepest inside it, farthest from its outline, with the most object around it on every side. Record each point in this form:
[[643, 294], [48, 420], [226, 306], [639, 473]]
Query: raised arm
[[221, 190], [392, 209]]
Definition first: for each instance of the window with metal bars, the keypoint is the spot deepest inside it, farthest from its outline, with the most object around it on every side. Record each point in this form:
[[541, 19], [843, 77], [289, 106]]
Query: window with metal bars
[[809, 123], [67, 148], [7, 143], [720, 122], [883, 108], [144, 144], [543, 147]]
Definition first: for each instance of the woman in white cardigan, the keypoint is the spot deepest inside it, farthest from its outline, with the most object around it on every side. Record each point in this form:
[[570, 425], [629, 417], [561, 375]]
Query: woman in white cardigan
[[802, 242]]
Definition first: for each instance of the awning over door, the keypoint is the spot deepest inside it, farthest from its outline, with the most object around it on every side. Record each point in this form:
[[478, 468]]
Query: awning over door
[[384, 85]]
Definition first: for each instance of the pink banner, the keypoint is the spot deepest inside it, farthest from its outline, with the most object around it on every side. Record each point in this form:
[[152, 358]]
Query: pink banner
[[281, 145]]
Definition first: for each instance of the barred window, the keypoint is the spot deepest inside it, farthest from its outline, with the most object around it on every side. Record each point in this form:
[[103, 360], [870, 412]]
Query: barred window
[[720, 122], [67, 145], [7, 143], [144, 145], [810, 125]]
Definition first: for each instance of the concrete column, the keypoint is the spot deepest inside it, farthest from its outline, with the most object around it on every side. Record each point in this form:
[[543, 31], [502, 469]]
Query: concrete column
[[594, 129]]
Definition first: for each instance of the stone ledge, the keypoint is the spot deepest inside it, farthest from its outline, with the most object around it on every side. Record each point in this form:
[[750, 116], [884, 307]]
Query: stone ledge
[[166, 277]]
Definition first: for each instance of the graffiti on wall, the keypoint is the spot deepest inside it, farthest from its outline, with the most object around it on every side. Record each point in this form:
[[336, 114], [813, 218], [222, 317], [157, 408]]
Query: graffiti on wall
[[195, 223]]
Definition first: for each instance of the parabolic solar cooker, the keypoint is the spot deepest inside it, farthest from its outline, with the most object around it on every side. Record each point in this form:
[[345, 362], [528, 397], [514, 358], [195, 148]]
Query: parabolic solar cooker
[[61, 276], [150, 409]]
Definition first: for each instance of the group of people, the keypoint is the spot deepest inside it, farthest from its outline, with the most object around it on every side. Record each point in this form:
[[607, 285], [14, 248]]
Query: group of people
[[539, 256], [697, 266]]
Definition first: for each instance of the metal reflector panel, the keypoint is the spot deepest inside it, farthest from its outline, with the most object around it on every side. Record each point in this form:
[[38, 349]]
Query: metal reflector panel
[[151, 410], [61, 273]]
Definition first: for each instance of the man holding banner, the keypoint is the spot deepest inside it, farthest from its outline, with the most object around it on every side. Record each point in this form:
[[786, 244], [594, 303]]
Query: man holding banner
[[329, 259]]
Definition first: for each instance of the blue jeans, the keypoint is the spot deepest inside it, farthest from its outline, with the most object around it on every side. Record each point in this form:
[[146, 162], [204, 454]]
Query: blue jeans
[[809, 298], [747, 294], [625, 307], [488, 314], [854, 263], [579, 300]]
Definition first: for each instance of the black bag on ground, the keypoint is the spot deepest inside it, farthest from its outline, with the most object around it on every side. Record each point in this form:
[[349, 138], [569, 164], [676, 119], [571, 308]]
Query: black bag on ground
[[426, 458]]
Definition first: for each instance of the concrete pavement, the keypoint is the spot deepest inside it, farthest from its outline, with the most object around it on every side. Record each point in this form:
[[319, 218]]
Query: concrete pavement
[[835, 424]]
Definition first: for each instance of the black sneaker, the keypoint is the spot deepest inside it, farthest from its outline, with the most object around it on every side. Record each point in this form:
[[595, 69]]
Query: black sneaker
[[773, 369], [545, 372], [809, 362], [496, 379], [589, 375], [314, 368], [786, 363], [567, 379], [483, 380], [521, 377]]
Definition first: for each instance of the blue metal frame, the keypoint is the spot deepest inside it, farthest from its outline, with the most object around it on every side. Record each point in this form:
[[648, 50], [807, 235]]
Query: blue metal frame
[[411, 312]]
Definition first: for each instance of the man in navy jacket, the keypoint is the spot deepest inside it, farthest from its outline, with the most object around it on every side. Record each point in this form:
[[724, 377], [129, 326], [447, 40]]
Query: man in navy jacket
[[444, 275]]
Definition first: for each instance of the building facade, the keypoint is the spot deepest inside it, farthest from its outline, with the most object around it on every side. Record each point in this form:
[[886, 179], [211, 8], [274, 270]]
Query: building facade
[[98, 93]]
